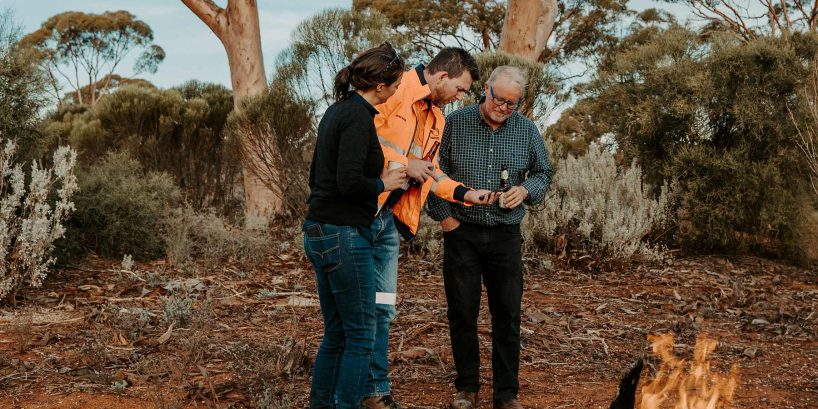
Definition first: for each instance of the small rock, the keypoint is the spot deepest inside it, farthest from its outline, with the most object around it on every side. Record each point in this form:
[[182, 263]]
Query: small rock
[[537, 317]]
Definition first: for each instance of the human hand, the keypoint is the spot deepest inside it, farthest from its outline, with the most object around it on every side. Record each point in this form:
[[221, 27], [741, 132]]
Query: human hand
[[481, 197], [448, 224], [393, 179], [420, 170], [514, 197]]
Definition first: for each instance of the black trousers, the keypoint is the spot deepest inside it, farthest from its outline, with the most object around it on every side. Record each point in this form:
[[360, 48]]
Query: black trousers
[[494, 254]]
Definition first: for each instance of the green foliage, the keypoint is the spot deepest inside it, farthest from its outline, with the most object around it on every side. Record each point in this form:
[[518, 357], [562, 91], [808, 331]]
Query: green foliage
[[474, 25], [179, 131], [581, 30], [584, 29], [77, 47], [712, 113], [22, 90], [121, 209], [325, 43], [730, 204]]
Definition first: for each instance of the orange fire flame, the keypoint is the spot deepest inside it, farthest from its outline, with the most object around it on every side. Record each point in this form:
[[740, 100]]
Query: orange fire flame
[[687, 386]]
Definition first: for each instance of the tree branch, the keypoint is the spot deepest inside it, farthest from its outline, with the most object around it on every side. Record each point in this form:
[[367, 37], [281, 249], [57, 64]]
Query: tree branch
[[210, 13], [773, 17], [786, 15], [738, 27]]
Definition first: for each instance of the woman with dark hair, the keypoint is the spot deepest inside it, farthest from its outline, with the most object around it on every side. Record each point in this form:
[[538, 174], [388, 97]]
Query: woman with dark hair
[[346, 176]]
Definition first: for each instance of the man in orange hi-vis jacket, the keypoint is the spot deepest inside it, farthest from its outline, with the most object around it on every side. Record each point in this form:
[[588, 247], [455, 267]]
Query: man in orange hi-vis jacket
[[408, 125]]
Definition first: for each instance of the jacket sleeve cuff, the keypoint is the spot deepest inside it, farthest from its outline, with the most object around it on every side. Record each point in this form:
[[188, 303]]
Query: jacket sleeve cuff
[[379, 182], [460, 193]]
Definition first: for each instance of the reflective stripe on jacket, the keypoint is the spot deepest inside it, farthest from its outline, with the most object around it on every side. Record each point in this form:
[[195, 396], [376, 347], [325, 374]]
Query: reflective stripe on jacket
[[407, 125]]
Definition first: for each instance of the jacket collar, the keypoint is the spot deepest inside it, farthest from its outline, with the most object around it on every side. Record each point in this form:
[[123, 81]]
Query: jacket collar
[[419, 70], [417, 87]]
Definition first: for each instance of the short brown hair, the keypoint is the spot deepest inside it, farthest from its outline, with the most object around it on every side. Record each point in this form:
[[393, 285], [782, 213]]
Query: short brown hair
[[454, 60]]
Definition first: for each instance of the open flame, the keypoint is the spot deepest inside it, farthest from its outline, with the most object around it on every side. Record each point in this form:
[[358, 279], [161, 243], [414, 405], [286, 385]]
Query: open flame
[[682, 385]]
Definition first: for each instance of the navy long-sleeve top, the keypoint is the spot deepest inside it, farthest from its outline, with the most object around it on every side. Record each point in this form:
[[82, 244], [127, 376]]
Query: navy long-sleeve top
[[346, 165]]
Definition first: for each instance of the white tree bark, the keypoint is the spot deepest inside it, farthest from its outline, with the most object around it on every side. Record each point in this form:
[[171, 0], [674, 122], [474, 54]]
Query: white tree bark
[[527, 27]]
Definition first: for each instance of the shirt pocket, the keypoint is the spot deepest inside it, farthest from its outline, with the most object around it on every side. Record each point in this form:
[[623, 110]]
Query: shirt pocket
[[516, 157]]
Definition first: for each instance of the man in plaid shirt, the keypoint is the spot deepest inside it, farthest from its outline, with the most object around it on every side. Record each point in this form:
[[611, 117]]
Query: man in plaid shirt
[[485, 241]]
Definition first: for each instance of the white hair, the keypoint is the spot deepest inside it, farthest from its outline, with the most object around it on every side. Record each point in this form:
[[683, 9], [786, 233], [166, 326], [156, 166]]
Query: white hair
[[511, 73]]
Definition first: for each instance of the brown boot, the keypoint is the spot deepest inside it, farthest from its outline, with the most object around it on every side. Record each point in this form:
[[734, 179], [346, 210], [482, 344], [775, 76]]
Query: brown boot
[[464, 400], [509, 404]]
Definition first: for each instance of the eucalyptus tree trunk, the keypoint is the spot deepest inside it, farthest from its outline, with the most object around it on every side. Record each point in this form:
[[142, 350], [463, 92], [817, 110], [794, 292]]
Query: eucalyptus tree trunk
[[527, 27], [237, 27]]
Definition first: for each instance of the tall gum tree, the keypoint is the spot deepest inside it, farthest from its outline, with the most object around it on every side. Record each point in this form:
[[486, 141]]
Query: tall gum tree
[[237, 27], [84, 51]]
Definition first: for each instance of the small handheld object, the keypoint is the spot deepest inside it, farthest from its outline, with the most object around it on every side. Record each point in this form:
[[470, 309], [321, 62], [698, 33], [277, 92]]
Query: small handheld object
[[428, 157]]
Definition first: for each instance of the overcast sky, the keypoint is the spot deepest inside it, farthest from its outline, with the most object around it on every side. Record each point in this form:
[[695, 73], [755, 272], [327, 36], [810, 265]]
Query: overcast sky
[[193, 52]]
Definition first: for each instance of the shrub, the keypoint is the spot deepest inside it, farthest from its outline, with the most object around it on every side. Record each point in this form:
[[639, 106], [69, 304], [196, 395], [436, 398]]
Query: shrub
[[278, 134], [191, 235], [712, 112], [177, 308], [595, 209], [22, 90], [729, 204], [29, 224], [121, 209], [179, 131]]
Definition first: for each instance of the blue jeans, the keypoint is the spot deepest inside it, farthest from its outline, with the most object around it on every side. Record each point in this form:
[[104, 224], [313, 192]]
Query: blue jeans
[[387, 245], [342, 257]]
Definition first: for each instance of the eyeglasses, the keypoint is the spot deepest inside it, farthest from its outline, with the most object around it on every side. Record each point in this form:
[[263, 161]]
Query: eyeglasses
[[499, 102]]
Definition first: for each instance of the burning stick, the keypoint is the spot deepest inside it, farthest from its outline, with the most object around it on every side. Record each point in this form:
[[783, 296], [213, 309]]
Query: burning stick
[[626, 397], [696, 387]]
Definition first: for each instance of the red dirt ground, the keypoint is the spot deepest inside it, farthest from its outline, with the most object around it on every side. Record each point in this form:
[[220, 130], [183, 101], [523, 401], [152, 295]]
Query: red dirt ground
[[90, 337]]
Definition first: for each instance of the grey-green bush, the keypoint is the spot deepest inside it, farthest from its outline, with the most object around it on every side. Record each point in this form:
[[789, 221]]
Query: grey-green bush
[[22, 92], [121, 209], [191, 235], [593, 208], [180, 131], [712, 113]]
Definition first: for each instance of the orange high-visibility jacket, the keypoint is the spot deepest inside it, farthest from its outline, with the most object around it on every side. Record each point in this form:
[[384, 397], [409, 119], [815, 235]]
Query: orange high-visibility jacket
[[407, 126]]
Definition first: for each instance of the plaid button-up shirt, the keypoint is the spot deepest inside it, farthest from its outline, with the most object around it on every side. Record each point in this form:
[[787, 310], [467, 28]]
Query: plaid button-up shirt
[[472, 153]]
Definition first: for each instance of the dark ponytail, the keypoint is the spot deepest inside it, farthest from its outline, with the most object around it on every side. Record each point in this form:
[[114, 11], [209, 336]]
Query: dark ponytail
[[379, 65], [343, 80]]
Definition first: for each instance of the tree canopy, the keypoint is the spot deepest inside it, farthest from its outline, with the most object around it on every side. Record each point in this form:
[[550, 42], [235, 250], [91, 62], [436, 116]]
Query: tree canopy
[[80, 49]]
